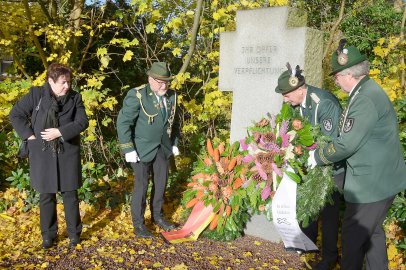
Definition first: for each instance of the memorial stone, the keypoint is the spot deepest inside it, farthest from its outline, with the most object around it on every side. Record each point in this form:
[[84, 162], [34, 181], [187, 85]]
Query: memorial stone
[[251, 60]]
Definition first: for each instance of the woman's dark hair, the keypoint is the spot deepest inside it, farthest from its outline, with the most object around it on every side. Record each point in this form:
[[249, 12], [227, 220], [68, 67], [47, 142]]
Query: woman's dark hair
[[55, 70]]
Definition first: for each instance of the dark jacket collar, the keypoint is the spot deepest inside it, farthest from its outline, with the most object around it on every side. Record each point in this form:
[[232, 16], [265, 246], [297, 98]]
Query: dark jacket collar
[[359, 84]]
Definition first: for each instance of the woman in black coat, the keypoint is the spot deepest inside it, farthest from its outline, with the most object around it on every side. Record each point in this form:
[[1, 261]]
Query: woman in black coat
[[51, 118]]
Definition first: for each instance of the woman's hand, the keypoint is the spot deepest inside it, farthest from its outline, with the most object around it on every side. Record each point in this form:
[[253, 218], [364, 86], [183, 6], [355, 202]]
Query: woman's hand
[[50, 134], [32, 137]]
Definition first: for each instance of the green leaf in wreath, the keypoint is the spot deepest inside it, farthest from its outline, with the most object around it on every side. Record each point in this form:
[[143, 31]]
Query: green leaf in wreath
[[293, 176], [286, 111]]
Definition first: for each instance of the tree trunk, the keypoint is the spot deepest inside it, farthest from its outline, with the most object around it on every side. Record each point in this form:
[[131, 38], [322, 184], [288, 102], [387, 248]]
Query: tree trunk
[[75, 14]]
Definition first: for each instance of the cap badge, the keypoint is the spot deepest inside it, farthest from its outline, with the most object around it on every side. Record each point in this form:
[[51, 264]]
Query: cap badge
[[342, 58], [293, 81]]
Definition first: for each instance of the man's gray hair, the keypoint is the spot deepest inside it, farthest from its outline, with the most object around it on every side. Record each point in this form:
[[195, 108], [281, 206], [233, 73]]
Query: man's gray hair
[[357, 70]]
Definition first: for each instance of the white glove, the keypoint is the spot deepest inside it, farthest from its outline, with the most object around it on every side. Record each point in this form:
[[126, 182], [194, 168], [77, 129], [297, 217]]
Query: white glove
[[175, 150], [311, 162], [132, 157]]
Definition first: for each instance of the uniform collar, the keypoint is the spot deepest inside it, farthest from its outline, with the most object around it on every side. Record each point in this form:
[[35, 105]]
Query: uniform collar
[[308, 99], [358, 85]]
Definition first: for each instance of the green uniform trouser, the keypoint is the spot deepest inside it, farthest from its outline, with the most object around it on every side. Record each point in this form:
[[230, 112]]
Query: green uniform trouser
[[159, 166], [363, 235]]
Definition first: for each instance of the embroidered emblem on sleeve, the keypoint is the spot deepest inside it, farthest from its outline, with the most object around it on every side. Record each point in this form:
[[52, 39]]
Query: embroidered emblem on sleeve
[[322, 157], [330, 149], [328, 124], [349, 123]]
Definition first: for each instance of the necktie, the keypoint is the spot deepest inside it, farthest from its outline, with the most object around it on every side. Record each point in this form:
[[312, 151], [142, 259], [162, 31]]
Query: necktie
[[162, 107]]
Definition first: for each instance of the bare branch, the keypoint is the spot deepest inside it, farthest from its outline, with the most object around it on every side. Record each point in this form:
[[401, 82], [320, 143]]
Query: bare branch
[[195, 29], [334, 29], [33, 36]]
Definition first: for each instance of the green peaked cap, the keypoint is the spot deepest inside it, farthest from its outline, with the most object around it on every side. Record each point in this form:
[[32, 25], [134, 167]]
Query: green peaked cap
[[284, 86], [160, 71], [354, 57]]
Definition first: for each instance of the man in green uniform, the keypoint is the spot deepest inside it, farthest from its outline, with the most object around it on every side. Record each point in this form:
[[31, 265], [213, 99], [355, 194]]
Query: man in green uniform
[[322, 108], [376, 171], [148, 133]]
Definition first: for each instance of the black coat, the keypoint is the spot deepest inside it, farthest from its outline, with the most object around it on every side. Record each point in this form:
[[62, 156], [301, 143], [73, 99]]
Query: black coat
[[50, 174]]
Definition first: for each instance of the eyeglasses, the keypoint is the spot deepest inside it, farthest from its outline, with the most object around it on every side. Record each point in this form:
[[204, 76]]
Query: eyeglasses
[[338, 74], [161, 82]]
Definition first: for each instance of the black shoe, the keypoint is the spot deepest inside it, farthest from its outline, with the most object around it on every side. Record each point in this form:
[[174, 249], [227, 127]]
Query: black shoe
[[325, 265], [164, 224], [47, 243], [74, 241], [142, 231]]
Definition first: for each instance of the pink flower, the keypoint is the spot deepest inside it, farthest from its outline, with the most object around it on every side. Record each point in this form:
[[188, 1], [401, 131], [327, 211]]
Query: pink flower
[[273, 121], [266, 192], [272, 147], [277, 170], [261, 172], [243, 145], [248, 158], [312, 147], [284, 136], [285, 140], [284, 127]]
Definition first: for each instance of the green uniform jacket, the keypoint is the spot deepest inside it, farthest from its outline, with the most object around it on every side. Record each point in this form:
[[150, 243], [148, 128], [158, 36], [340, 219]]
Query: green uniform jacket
[[369, 140], [141, 127], [323, 108]]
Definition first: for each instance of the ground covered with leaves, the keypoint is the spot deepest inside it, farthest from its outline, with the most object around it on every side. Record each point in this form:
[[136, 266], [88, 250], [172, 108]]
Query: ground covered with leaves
[[108, 242]]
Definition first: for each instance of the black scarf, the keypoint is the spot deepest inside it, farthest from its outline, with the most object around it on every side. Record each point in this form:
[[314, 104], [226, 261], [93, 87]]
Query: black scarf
[[51, 121]]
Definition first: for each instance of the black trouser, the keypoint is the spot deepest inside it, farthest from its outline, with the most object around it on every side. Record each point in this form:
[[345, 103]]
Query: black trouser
[[363, 235], [330, 217], [142, 170], [49, 218]]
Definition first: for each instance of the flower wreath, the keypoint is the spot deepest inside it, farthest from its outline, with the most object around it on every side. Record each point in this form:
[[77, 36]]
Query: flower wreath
[[238, 183], [276, 143]]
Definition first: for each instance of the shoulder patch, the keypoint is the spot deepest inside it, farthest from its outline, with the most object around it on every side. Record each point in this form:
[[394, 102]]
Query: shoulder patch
[[328, 124], [315, 98], [349, 123]]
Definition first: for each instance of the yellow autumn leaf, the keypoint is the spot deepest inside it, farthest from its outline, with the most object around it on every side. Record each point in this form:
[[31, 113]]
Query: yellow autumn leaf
[[196, 80], [381, 41], [134, 42], [128, 55], [176, 23], [78, 33], [150, 28], [392, 252], [247, 254], [101, 51], [273, 3], [181, 266], [156, 14], [169, 44], [176, 52]]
